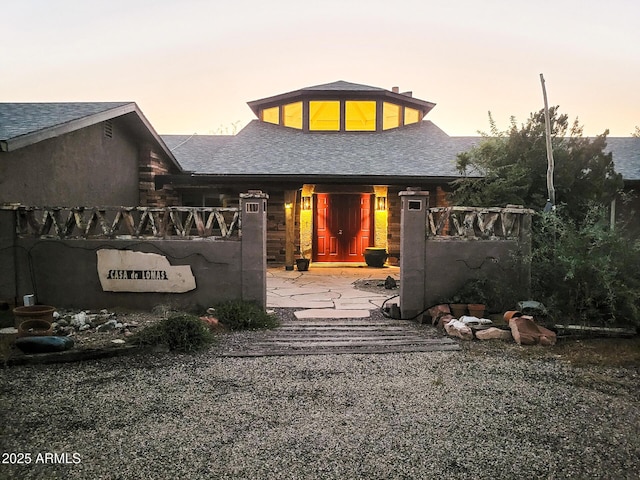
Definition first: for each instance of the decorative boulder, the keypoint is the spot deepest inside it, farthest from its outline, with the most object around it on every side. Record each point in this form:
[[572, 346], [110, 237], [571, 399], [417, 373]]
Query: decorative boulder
[[526, 332], [493, 333]]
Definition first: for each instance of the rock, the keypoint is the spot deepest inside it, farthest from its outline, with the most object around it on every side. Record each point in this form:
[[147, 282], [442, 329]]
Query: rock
[[104, 311], [127, 333], [437, 312], [56, 315], [62, 322], [84, 327], [493, 333], [119, 325], [118, 341], [526, 332], [456, 328], [471, 320], [79, 319], [390, 283], [110, 325]]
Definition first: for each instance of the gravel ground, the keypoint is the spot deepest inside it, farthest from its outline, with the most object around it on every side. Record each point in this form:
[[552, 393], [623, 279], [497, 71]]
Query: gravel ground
[[440, 415]]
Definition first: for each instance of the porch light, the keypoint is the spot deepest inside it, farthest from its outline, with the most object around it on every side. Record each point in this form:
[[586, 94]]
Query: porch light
[[306, 203], [288, 206], [381, 203]]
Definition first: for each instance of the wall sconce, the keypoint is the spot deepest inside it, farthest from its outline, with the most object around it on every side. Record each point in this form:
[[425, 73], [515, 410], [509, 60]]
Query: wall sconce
[[288, 206], [381, 203], [306, 203]]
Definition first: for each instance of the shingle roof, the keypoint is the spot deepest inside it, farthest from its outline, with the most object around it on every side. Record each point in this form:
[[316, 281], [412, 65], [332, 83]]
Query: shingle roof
[[626, 156], [263, 149], [23, 124], [343, 86], [17, 119], [421, 150]]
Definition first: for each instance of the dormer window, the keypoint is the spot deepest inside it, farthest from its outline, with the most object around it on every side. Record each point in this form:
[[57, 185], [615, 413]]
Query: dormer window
[[342, 107]]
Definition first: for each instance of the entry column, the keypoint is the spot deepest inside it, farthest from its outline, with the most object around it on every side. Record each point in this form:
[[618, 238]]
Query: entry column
[[253, 211], [413, 235]]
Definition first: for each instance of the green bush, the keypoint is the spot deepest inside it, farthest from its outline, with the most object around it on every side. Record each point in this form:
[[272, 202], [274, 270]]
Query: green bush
[[181, 332], [240, 315], [586, 272]]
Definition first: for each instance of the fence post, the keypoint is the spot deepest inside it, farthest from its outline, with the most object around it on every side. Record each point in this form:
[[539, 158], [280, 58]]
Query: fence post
[[253, 214], [413, 224]]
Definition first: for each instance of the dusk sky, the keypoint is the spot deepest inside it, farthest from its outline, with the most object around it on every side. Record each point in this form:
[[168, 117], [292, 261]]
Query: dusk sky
[[192, 65]]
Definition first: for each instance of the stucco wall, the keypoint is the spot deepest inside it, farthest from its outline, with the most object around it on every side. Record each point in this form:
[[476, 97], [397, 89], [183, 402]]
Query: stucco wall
[[63, 273], [84, 167]]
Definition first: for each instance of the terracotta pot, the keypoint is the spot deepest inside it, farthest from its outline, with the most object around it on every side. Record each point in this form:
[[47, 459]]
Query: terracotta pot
[[511, 314], [35, 328], [458, 309], [476, 309], [33, 312]]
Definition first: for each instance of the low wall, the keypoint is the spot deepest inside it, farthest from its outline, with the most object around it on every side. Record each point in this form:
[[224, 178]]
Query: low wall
[[63, 272], [444, 248]]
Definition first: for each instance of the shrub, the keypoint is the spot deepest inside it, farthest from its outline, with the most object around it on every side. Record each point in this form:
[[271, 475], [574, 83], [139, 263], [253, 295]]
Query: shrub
[[585, 271], [180, 331], [240, 315]]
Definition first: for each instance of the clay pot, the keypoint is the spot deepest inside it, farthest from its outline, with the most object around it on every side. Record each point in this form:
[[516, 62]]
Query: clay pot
[[375, 256], [511, 314], [458, 309], [33, 312], [476, 309], [35, 328]]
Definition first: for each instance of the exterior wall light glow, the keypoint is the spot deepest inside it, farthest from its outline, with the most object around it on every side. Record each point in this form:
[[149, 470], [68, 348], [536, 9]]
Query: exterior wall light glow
[[381, 203], [288, 206], [306, 203]]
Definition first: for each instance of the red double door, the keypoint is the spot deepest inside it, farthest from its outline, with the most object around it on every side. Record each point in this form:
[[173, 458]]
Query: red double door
[[343, 227]]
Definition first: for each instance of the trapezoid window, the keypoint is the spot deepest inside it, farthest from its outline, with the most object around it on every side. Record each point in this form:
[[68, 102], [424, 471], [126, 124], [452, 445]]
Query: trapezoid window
[[292, 115], [411, 115], [360, 116], [324, 115], [390, 115], [271, 115]]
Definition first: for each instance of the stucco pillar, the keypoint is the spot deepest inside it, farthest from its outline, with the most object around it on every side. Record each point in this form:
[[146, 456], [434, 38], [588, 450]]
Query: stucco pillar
[[289, 227], [413, 234], [253, 211]]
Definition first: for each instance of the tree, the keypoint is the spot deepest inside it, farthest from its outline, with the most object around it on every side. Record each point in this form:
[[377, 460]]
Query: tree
[[510, 167], [636, 134]]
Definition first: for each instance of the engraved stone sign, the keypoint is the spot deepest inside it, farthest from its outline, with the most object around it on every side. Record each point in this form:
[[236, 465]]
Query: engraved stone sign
[[127, 271]]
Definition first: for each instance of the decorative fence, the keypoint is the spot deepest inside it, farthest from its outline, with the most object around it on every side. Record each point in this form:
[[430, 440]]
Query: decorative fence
[[476, 222], [127, 222]]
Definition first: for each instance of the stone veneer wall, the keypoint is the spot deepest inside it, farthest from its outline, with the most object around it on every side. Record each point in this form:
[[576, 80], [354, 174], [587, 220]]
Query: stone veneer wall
[[151, 164]]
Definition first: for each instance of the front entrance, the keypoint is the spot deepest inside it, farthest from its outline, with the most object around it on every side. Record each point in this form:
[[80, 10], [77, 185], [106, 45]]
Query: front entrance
[[342, 228]]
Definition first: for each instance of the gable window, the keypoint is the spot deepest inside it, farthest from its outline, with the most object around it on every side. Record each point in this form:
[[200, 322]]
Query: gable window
[[324, 115], [292, 115], [271, 115], [360, 116]]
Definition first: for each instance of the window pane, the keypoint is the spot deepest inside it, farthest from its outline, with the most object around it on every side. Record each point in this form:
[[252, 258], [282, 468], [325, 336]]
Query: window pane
[[390, 116], [293, 115], [324, 115], [360, 116], [271, 115], [411, 115]]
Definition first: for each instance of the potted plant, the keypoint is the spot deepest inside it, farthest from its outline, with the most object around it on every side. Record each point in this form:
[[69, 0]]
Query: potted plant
[[475, 292], [458, 309]]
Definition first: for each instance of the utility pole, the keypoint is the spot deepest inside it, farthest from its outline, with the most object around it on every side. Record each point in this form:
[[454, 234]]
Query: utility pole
[[550, 164]]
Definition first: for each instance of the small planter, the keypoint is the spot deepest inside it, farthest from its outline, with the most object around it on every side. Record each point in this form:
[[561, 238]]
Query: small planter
[[33, 312], [476, 309], [458, 309], [302, 264], [35, 328], [375, 256]]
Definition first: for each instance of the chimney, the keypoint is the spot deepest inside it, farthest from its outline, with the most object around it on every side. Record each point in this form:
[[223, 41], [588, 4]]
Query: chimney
[[395, 89]]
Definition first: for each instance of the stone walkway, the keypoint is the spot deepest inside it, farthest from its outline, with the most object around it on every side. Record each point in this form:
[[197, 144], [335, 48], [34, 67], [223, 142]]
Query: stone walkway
[[327, 291]]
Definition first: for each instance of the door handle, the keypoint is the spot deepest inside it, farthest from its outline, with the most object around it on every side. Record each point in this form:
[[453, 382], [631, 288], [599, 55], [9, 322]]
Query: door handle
[[339, 232]]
